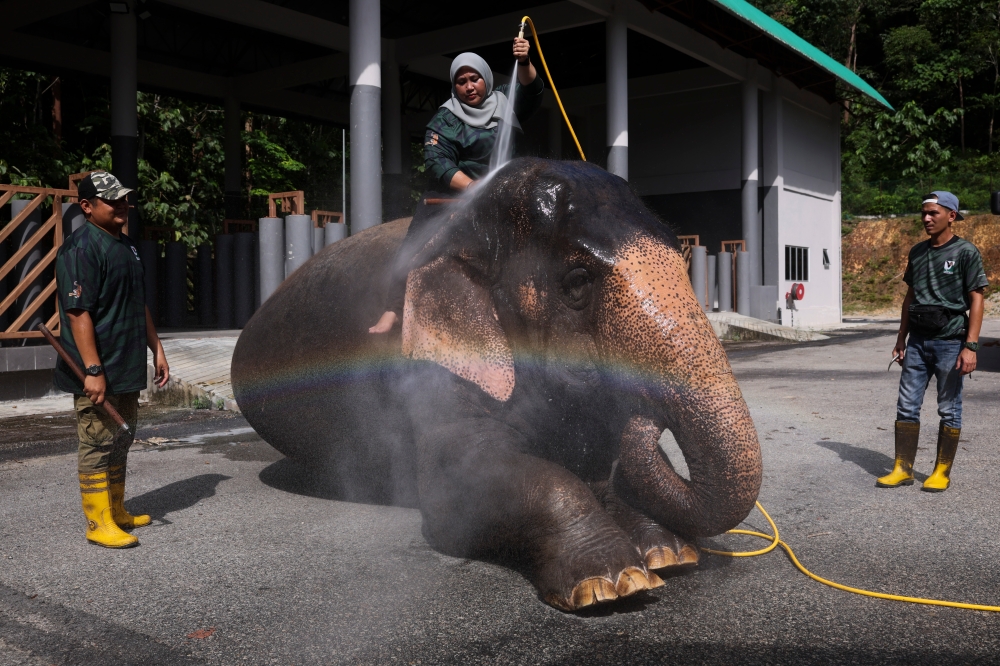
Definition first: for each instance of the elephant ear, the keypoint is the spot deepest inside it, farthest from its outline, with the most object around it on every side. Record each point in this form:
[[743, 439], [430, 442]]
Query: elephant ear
[[449, 318]]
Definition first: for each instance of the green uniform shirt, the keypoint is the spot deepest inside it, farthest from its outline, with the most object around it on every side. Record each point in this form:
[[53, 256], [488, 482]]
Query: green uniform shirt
[[944, 276], [103, 275], [451, 146]]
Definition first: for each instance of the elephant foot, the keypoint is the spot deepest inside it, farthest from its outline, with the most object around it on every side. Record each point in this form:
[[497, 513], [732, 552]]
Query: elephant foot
[[660, 547], [592, 561], [599, 590]]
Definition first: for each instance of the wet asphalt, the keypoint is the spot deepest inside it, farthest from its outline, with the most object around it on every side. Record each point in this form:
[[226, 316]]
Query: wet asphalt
[[251, 559]]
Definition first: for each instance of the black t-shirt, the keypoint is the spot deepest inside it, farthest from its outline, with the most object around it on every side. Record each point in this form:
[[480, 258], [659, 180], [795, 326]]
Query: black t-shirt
[[944, 276], [103, 275]]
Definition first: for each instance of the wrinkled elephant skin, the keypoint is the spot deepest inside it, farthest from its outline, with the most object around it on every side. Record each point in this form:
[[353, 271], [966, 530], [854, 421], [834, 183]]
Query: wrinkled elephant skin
[[549, 336]]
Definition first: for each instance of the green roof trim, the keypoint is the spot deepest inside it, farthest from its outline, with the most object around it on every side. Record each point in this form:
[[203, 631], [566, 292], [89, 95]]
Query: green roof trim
[[755, 17]]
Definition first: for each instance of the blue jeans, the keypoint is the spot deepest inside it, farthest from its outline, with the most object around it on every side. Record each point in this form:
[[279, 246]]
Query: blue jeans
[[924, 359]]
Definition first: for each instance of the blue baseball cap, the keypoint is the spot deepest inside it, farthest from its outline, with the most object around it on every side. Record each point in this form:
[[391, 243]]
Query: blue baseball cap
[[946, 199]]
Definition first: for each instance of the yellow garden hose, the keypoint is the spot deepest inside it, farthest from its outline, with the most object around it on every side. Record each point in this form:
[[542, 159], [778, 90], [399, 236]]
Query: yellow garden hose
[[776, 541], [538, 45]]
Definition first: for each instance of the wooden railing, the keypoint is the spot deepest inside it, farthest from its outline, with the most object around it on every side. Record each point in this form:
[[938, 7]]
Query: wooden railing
[[322, 217], [52, 228], [292, 203]]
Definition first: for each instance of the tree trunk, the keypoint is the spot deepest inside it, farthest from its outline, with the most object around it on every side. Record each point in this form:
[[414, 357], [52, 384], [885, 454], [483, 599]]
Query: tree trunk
[[57, 109], [961, 104], [852, 57]]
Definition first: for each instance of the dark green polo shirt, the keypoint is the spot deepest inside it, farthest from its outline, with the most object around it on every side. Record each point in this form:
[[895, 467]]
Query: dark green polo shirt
[[451, 146], [944, 276], [103, 275]]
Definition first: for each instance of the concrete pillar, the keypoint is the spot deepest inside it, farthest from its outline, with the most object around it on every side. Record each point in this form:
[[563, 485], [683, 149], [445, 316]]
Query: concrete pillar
[[699, 275], [616, 53], [124, 118], [392, 143], [233, 149], [750, 176], [555, 133], [271, 258], [365, 79], [773, 170]]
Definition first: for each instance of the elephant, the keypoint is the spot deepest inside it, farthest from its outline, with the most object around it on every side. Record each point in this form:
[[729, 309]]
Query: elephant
[[549, 336]]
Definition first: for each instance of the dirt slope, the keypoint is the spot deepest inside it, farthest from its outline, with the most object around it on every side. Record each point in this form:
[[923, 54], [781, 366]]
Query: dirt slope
[[875, 251]]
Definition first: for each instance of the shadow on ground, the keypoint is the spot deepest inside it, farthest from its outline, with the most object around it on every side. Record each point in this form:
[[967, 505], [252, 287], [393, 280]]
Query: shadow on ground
[[289, 476], [175, 496], [874, 463]]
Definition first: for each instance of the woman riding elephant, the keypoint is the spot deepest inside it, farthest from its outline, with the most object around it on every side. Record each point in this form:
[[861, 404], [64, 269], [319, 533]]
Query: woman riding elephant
[[457, 148]]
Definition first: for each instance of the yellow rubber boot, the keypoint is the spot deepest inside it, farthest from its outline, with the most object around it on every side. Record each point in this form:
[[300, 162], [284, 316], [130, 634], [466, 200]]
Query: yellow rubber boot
[[946, 447], [101, 527], [124, 520], [907, 436]]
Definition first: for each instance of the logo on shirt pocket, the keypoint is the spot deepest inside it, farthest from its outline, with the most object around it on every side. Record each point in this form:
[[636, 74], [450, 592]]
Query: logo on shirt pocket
[[949, 267]]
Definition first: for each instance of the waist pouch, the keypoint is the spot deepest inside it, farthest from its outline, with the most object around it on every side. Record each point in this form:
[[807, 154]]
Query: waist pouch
[[928, 320]]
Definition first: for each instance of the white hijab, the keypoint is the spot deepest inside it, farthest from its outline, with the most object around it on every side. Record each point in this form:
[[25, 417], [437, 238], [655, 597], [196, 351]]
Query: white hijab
[[488, 114]]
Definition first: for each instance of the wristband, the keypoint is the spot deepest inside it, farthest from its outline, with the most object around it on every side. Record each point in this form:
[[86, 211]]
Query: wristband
[[527, 61]]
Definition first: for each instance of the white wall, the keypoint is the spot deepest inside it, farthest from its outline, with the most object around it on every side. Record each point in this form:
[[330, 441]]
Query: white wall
[[809, 209]]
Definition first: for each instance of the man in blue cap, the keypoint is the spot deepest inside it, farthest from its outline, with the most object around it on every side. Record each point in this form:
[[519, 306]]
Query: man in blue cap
[[946, 280]]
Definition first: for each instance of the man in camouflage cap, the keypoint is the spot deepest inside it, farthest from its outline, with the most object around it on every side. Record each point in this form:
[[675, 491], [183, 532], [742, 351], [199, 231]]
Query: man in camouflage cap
[[106, 326]]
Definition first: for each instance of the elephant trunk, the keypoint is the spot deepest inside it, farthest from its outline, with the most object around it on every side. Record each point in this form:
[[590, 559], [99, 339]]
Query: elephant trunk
[[663, 343]]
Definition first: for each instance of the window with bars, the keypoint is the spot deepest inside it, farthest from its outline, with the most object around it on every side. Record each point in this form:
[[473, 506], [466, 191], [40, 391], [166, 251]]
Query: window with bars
[[796, 263]]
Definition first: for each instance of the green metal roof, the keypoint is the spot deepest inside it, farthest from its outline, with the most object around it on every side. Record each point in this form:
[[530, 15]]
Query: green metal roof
[[755, 17]]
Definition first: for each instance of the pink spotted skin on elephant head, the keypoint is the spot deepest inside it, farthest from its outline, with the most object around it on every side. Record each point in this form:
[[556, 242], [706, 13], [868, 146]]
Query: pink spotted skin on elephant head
[[550, 335]]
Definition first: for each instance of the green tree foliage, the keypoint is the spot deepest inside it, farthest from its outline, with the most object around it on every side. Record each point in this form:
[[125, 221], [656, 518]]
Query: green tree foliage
[[181, 156], [938, 63]]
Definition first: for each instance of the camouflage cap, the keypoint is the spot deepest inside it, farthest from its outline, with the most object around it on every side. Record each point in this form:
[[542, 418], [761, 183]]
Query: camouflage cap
[[101, 184]]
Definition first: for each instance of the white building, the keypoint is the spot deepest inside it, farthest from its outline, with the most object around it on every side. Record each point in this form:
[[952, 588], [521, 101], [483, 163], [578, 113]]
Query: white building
[[724, 121]]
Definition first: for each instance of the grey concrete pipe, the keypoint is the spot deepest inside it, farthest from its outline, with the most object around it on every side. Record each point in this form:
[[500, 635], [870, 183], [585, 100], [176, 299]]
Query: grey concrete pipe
[[712, 284], [224, 281], [699, 273], [72, 218], [743, 283], [175, 284], [335, 231], [203, 285], [724, 265], [270, 254], [319, 240], [22, 235], [149, 254], [298, 241], [243, 291]]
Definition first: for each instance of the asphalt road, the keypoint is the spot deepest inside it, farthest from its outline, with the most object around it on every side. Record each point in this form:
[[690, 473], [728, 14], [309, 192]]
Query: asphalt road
[[251, 560]]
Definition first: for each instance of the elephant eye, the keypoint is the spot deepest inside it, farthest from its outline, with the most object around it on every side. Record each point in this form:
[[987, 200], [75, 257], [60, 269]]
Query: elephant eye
[[576, 288]]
